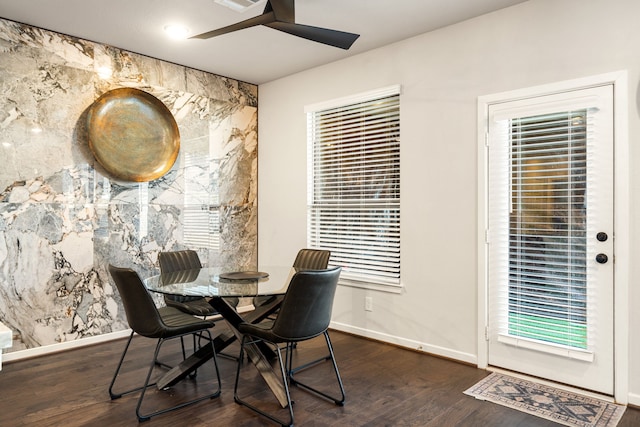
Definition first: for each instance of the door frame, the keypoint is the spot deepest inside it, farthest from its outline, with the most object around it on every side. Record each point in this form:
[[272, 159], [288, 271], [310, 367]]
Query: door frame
[[619, 80]]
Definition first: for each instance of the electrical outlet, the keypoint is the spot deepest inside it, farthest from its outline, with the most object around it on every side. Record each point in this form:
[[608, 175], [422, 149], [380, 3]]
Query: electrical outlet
[[368, 304]]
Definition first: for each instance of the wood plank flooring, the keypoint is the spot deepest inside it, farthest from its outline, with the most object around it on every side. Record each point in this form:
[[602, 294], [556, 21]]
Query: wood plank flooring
[[385, 386]]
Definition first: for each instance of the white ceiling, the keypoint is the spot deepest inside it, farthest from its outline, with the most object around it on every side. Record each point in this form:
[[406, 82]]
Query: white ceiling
[[255, 55]]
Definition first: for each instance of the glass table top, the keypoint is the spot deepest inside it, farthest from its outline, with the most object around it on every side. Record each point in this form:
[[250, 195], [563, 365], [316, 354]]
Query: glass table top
[[206, 282]]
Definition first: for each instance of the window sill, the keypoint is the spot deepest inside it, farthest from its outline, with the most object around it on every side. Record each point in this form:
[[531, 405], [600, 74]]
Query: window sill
[[394, 289]]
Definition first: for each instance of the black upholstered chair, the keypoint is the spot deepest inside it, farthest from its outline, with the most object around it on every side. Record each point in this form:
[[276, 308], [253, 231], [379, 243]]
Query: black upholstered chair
[[312, 259], [163, 324], [306, 259], [184, 260], [305, 313]]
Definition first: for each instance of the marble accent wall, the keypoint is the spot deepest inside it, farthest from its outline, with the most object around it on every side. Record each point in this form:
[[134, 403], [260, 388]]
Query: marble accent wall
[[63, 219]]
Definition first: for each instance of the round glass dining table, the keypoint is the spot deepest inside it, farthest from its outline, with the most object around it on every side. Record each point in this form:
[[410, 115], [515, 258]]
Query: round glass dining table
[[215, 284]]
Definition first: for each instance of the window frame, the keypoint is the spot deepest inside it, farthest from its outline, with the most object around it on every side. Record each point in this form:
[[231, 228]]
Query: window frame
[[355, 273]]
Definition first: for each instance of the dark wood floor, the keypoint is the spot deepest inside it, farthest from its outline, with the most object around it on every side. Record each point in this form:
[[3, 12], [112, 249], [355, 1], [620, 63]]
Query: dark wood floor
[[385, 385]]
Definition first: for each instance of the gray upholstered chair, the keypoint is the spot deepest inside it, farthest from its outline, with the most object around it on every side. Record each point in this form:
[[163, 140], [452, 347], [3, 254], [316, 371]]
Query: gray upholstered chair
[[312, 259], [163, 324], [305, 313], [188, 259], [184, 260], [306, 259]]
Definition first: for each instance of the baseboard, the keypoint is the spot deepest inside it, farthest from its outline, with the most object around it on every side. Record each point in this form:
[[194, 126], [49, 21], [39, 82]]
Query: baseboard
[[68, 345], [407, 343], [634, 400]]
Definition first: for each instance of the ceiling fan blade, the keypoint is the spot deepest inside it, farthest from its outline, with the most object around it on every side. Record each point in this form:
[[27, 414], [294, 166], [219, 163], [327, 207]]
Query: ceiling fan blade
[[264, 19], [334, 38], [284, 10]]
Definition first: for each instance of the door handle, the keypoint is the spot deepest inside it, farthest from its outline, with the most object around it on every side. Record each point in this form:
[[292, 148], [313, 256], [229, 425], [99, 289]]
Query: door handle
[[602, 258], [602, 236]]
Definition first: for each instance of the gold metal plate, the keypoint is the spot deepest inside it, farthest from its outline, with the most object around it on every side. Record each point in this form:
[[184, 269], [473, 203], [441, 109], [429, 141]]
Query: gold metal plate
[[133, 135]]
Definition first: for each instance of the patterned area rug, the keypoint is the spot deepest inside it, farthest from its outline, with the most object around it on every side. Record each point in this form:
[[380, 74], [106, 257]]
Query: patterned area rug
[[557, 405]]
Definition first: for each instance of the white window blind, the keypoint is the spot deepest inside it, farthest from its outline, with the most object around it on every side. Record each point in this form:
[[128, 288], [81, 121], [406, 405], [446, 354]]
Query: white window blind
[[547, 229], [354, 186], [540, 256]]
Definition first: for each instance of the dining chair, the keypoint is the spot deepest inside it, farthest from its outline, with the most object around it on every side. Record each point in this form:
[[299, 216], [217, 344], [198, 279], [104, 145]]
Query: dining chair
[[306, 259], [312, 259], [186, 260], [163, 324], [305, 313]]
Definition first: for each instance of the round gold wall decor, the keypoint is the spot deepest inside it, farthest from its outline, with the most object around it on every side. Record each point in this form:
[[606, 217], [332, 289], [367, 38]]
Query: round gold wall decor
[[133, 135]]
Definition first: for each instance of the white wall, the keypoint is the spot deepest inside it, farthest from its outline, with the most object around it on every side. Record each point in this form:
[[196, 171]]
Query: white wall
[[442, 73]]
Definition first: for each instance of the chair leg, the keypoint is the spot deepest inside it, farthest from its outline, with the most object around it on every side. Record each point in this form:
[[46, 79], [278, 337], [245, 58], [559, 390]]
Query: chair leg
[[115, 375], [184, 356], [310, 364], [145, 417], [114, 395], [147, 384], [338, 401], [281, 363], [194, 374]]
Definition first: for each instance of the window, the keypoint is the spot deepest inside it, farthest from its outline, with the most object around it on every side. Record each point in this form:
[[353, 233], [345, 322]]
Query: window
[[354, 186]]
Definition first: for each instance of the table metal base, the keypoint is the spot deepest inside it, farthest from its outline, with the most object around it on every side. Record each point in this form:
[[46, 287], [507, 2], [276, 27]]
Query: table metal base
[[259, 355]]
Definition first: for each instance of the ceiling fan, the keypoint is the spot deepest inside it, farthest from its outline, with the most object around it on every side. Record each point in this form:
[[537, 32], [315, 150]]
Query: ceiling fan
[[280, 15]]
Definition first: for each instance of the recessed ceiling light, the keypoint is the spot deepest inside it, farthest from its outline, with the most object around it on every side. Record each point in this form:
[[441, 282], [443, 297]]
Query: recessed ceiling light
[[177, 32]]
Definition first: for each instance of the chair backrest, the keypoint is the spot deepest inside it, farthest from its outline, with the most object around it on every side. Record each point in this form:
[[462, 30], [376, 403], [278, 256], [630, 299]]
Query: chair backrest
[[312, 259], [306, 308], [142, 315], [178, 260]]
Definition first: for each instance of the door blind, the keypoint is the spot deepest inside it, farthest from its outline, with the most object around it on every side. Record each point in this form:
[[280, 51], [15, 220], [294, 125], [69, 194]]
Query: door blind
[[545, 208], [354, 187], [547, 228]]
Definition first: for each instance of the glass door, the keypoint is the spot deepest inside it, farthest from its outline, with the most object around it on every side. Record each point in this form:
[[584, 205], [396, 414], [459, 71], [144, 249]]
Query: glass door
[[550, 237]]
